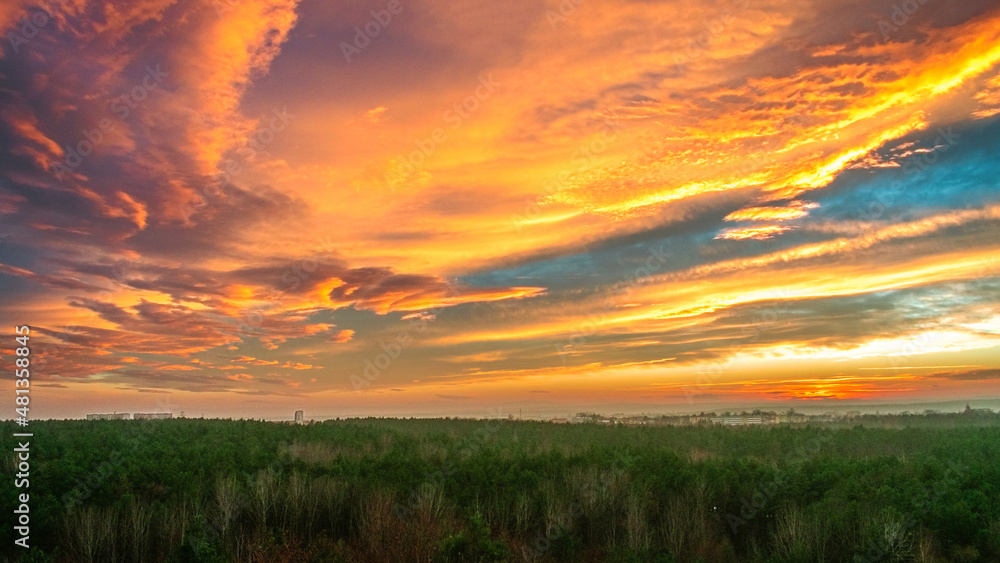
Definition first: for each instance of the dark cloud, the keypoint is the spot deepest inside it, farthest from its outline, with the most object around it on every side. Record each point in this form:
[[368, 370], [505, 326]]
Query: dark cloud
[[972, 375]]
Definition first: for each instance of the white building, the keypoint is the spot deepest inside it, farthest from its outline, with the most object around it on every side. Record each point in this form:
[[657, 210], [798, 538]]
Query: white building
[[113, 416]]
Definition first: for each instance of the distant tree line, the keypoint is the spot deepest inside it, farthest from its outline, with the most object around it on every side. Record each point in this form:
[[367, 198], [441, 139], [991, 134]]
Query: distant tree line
[[886, 488]]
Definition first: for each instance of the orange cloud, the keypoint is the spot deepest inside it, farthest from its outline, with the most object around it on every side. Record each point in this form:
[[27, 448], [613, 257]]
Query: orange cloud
[[760, 233], [797, 210]]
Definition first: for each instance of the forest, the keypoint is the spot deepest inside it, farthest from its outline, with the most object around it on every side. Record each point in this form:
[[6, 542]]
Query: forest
[[887, 488]]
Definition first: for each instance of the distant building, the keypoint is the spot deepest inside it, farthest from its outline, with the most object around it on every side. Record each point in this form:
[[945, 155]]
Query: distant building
[[112, 416], [299, 417], [738, 420], [560, 420], [152, 415]]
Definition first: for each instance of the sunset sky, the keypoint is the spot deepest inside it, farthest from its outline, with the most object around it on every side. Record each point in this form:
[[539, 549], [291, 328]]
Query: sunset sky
[[242, 208]]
